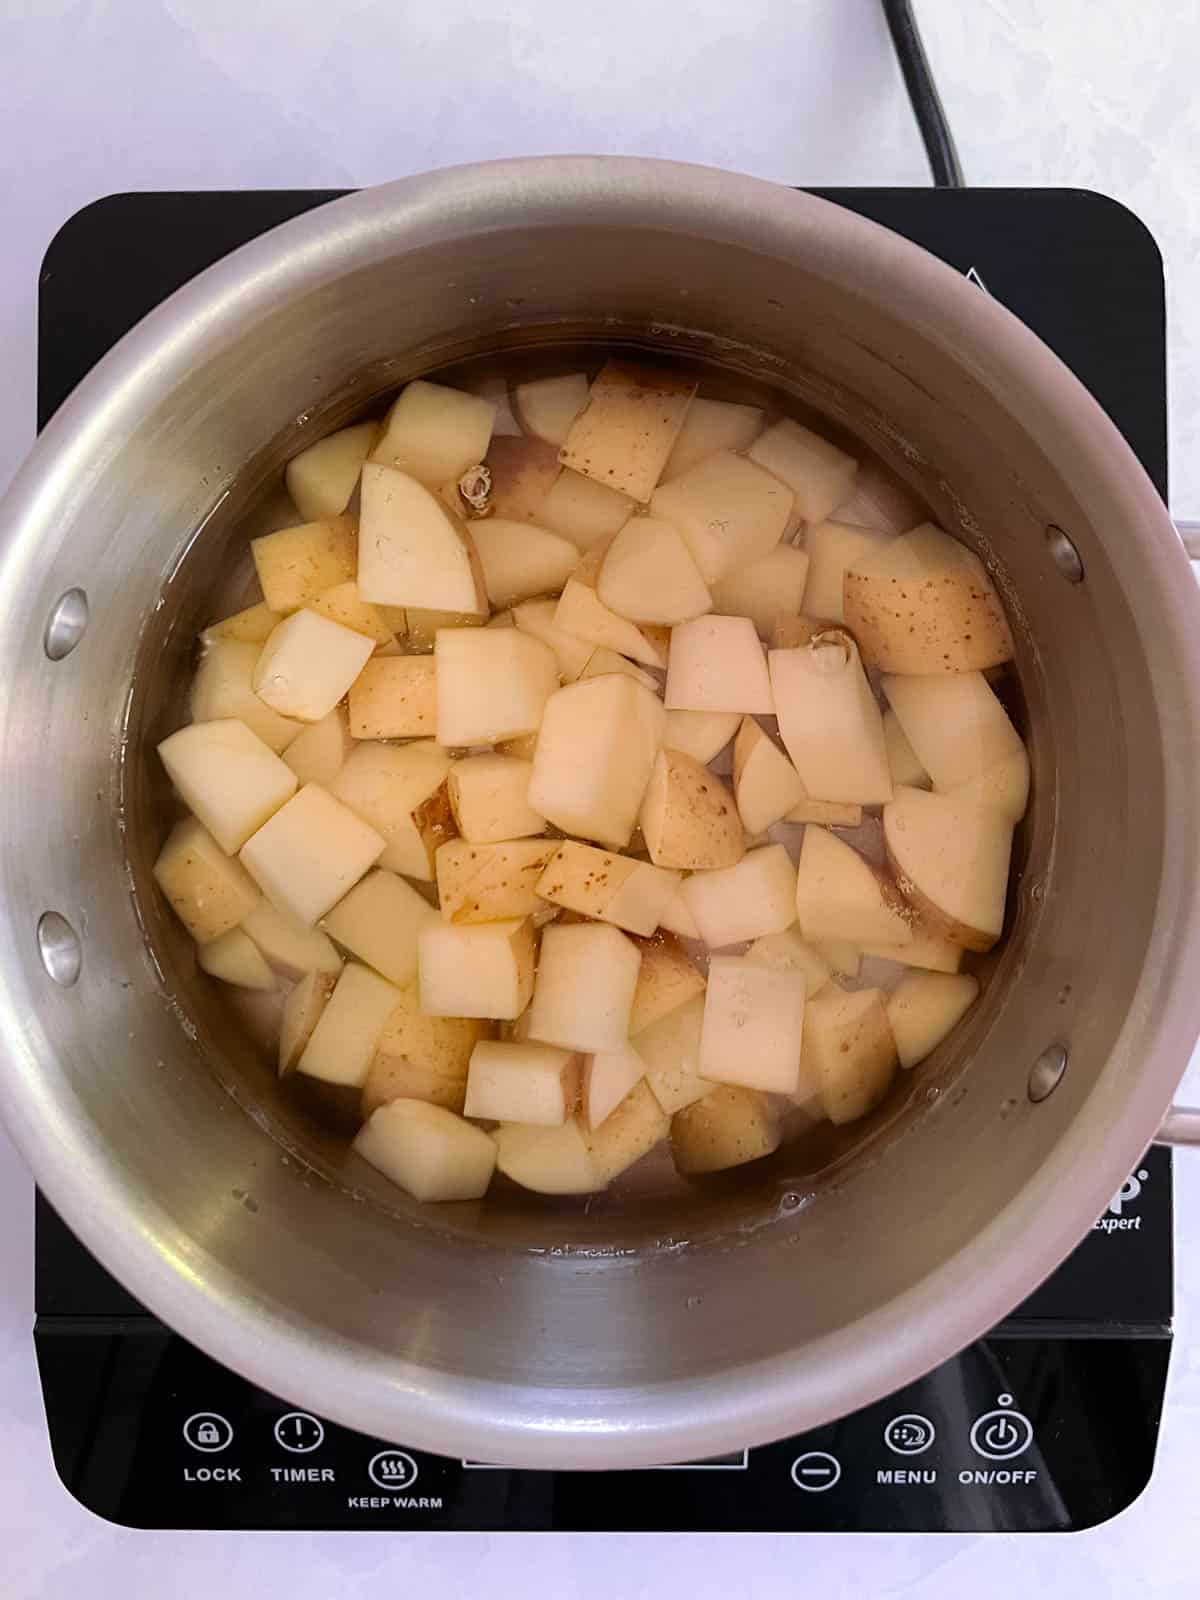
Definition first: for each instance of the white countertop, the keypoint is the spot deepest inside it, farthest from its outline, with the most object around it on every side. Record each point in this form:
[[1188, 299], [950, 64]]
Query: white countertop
[[174, 94]]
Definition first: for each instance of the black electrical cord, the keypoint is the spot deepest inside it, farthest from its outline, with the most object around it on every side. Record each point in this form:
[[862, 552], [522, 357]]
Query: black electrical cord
[[923, 95]]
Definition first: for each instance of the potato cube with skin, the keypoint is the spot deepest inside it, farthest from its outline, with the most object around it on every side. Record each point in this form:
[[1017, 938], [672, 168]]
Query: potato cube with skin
[[492, 684], [700, 734], [295, 565], [235, 958], [489, 798], [903, 762], [955, 725], [322, 478], [310, 853], [840, 895], [394, 697], [596, 883], [670, 1048], [340, 1047], [523, 471], [251, 626], [667, 979], [728, 1128], [207, 890], [391, 787], [788, 952], [746, 901], [925, 950], [523, 1082], [546, 407], [290, 947], [301, 1012], [308, 664], [830, 722], [951, 860], [397, 1078], [628, 428], [440, 1044], [380, 921], [848, 1044], [413, 551], [819, 474], [546, 1160], [711, 425], [648, 575], [608, 1077], [224, 687], [924, 1008], [228, 777], [571, 653], [582, 613], [762, 589], [521, 560], [728, 511], [597, 745], [482, 970], [319, 751], [491, 882], [434, 433], [428, 1151], [832, 547], [344, 604], [689, 818], [717, 664], [584, 991], [765, 783], [629, 1132], [753, 1022]]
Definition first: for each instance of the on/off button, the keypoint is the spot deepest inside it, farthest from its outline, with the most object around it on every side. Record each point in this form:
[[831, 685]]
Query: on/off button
[[1001, 1434]]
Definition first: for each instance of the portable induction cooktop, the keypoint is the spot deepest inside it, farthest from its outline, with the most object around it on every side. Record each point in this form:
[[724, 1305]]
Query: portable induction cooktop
[[1049, 1423]]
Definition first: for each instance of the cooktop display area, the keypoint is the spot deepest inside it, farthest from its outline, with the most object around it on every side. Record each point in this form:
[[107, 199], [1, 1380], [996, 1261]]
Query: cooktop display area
[[1050, 1423]]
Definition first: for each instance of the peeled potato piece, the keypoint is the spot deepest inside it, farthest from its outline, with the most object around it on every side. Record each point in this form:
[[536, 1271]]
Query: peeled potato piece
[[520, 560], [482, 970], [322, 478], [848, 1044], [765, 783], [290, 946], [787, 952], [522, 1082], [583, 511], [745, 901], [580, 611], [413, 551], [727, 1128], [817, 472], [628, 1133], [236, 959], [341, 1045], [547, 407], [717, 664], [608, 1076], [955, 725], [310, 853], [925, 950], [951, 860], [391, 787], [547, 1160], [923, 1009], [428, 1151], [832, 547], [667, 979], [903, 762], [762, 589], [688, 817], [700, 734], [628, 427], [227, 777], [648, 575], [711, 425], [251, 626], [830, 722], [380, 921], [301, 1012], [489, 797], [753, 1025], [583, 994], [434, 433], [318, 753], [308, 664], [570, 652], [727, 510], [839, 895], [492, 684], [223, 688], [670, 1048], [209, 891]]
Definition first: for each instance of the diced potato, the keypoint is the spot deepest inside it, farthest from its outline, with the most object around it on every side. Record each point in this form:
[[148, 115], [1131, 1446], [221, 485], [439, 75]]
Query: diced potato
[[700, 734], [819, 474], [717, 664], [523, 471], [522, 1082], [380, 921], [830, 721], [670, 1048], [788, 631], [839, 895], [829, 813], [843, 958], [428, 1151], [586, 977], [344, 604], [208, 891], [439, 1044], [926, 950], [423, 625], [236, 959], [310, 853], [597, 745], [228, 777], [489, 798], [848, 1044], [678, 919], [766, 786], [433, 433], [648, 575], [763, 589], [546, 1160], [547, 407], [491, 882], [322, 478], [295, 565], [787, 952], [925, 604], [903, 762], [394, 697], [603, 660], [251, 626], [728, 511], [614, 888], [289, 945], [924, 1008], [955, 725], [581, 612], [753, 1021], [1003, 788], [388, 786], [301, 1012], [224, 687], [520, 560], [832, 547], [308, 664], [319, 751], [483, 970], [728, 1128], [667, 979], [628, 1133], [710, 426], [628, 428], [755, 897], [583, 511], [608, 1077], [396, 1078], [413, 551], [492, 684], [340, 1047], [688, 817], [572, 654], [951, 861]]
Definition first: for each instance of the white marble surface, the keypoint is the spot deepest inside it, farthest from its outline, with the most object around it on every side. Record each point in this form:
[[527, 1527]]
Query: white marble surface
[[102, 95]]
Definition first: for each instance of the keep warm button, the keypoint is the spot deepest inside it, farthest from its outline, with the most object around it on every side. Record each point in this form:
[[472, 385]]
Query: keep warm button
[[1001, 1434]]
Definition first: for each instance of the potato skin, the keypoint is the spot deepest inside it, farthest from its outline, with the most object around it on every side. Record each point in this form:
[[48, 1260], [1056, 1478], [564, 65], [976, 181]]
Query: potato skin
[[948, 621], [689, 817]]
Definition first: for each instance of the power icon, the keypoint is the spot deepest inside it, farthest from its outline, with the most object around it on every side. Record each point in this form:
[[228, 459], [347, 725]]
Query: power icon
[[1001, 1434]]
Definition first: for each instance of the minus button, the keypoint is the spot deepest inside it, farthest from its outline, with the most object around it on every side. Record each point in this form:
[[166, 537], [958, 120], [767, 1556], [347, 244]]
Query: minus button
[[816, 1471]]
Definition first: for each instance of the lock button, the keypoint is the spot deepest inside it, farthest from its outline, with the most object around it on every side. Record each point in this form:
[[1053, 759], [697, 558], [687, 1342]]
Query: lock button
[[208, 1431]]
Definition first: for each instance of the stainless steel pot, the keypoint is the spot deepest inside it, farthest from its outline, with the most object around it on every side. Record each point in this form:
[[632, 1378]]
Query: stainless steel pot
[[639, 1333]]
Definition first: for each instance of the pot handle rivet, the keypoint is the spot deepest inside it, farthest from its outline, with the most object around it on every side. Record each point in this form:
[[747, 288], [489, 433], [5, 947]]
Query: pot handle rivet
[[1046, 1073], [1064, 554], [59, 948], [66, 624]]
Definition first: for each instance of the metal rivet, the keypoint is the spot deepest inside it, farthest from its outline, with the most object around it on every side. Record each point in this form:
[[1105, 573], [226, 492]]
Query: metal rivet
[[1046, 1073], [1064, 554], [59, 948], [66, 624]]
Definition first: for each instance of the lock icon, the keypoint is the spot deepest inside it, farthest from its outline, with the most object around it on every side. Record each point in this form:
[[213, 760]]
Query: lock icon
[[208, 1431]]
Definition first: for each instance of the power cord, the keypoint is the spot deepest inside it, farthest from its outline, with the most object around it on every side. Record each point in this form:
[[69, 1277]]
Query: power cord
[[923, 95]]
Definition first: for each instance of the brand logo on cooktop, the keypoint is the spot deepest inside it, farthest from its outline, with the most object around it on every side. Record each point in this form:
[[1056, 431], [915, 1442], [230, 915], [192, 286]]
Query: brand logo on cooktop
[[1118, 1219]]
